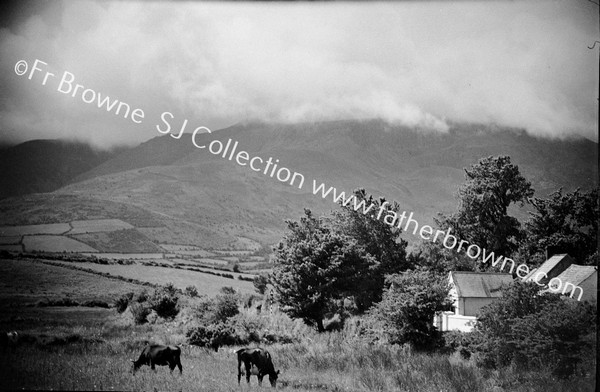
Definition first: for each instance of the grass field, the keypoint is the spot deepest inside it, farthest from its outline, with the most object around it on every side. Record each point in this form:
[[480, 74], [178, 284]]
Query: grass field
[[98, 225], [205, 283], [50, 228], [26, 282], [54, 243]]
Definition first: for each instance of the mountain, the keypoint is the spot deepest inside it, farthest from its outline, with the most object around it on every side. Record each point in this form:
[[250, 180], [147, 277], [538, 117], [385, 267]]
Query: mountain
[[192, 196], [45, 165]]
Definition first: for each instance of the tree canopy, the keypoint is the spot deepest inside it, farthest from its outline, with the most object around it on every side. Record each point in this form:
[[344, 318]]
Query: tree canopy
[[315, 268], [565, 222], [491, 186], [380, 240]]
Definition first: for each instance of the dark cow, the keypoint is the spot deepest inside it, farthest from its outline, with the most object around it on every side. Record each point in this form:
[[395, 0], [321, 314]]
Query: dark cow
[[9, 340], [256, 361], [157, 354]]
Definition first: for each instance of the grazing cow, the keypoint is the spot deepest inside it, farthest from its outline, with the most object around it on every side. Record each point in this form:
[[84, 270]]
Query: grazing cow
[[157, 354], [256, 361], [9, 340]]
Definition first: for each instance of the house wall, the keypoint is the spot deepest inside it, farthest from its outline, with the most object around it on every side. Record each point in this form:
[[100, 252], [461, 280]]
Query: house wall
[[472, 306], [448, 321], [589, 287]]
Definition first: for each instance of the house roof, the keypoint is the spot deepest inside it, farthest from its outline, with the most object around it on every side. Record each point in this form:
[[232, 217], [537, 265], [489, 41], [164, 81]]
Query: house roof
[[575, 274], [529, 276], [479, 284], [551, 263]]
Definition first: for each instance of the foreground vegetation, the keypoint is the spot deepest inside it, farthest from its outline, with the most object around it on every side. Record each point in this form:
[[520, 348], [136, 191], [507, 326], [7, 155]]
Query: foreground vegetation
[[78, 357]]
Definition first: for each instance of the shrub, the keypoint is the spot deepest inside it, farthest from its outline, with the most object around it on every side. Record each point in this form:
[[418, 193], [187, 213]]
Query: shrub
[[236, 267], [534, 331], [140, 312], [164, 301], [260, 283], [142, 296], [213, 336], [225, 306], [191, 291], [122, 302], [406, 311]]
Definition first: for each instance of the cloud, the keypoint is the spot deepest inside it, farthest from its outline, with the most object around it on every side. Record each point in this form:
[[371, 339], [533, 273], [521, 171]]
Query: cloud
[[519, 64]]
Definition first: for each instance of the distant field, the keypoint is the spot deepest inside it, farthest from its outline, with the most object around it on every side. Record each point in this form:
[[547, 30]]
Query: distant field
[[195, 253], [50, 228], [250, 264], [126, 256], [24, 281], [54, 243], [10, 240], [205, 283], [211, 261], [98, 225], [187, 250], [11, 247], [234, 252], [125, 240]]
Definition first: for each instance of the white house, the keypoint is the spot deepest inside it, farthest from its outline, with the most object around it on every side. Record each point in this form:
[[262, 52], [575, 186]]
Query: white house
[[470, 291]]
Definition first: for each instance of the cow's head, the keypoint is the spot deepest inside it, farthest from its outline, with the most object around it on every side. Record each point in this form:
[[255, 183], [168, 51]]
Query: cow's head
[[273, 378], [136, 365]]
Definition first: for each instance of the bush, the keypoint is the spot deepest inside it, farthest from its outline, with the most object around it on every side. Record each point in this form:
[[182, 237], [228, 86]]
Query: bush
[[191, 291], [140, 312], [142, 296], [213, 336], [225, 306], [260, 283], [529, 330], [408, 306], [164, 301], [236, 267], [123, 301]]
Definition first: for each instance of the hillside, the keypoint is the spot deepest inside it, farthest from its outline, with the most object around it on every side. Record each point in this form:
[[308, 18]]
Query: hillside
[[198, 198], [45, 165]]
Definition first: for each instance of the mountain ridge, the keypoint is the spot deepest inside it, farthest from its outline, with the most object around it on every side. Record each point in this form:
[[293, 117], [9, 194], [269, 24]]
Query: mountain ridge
[[197, 193]]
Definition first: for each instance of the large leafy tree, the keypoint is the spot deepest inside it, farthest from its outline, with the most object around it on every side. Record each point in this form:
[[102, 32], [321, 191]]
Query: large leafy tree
[[491, 186], [379, 239], [565, 222], [315, 268], [432, 256]]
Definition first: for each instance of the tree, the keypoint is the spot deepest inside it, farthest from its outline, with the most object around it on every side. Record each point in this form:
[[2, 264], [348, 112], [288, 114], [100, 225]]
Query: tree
[[434, 257], [260, 283], [566, 222], [164, 301], [379, 239], [409, 305], [314, 268], [491, 186]]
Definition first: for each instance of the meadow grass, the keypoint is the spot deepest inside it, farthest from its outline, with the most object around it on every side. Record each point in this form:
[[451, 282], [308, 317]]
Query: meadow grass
[[327, 362]]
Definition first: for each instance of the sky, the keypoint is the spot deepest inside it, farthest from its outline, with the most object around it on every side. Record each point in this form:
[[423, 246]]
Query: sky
[[521, 64]]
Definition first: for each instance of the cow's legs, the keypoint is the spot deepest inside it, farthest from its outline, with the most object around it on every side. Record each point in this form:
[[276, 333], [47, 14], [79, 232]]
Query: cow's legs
[[178, 363], [260, 378], [248, 371]]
